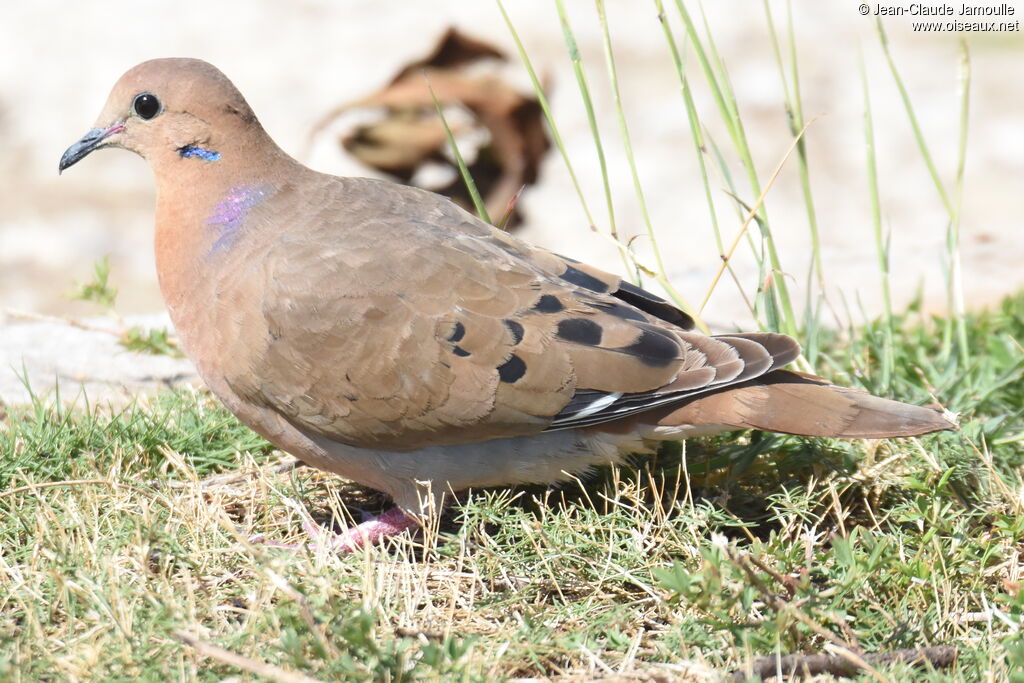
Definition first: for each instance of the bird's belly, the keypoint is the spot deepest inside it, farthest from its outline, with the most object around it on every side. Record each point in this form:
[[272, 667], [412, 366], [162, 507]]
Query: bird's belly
[[412, 477]]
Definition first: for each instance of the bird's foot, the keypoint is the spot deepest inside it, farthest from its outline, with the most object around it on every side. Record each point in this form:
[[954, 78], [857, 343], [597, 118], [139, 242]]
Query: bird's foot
[[371, 531]]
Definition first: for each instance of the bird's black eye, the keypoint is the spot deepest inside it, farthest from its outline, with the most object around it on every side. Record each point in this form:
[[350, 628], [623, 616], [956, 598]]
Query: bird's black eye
[[146, 105]]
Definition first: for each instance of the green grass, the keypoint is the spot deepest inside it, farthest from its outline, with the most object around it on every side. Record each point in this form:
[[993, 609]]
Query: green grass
[[121, 527], [125, 534]]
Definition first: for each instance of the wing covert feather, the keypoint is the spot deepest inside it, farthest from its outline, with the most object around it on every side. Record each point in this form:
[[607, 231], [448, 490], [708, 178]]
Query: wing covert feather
[[393, 332]]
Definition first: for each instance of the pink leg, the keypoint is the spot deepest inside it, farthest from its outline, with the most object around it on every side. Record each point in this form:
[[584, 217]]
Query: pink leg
[[380, 528], [373, 531]]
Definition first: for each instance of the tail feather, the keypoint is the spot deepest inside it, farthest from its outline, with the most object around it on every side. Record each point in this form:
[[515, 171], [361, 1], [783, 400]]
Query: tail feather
[[795, 403]]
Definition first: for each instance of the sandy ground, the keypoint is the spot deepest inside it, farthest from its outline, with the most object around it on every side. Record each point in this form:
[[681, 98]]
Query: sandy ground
[[295, 62]]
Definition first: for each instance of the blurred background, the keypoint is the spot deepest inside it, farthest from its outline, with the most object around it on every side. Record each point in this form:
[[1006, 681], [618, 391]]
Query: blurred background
[[300, 64]]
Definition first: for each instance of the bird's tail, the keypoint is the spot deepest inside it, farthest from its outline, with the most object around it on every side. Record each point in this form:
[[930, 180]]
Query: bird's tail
[[797, 403]]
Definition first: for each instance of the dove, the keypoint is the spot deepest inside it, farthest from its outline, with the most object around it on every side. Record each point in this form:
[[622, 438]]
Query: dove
[[380, 332]]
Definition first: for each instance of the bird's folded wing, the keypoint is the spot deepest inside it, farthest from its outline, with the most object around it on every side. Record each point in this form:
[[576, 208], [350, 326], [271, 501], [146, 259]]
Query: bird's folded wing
[[393, 332]]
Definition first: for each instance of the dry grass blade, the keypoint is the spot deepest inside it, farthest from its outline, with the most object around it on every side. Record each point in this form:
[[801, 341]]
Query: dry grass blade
[[274, 673], [72, 482], [752, 212]]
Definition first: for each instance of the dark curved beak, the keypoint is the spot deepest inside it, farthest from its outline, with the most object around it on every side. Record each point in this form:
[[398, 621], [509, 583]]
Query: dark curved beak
[[90, 142]]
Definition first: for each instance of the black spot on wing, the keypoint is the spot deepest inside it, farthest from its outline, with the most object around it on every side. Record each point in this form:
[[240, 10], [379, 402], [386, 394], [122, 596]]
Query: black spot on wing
[[626, 287], [581, 279], [653, 304], [580, 331], [511, 370], [655, 348], [459, 351], [548, 304], [516, 329], [623, 311], [458, 332]]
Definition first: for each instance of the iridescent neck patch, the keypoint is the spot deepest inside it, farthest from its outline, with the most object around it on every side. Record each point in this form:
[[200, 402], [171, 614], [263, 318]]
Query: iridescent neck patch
[[228, 216], [193, 152]]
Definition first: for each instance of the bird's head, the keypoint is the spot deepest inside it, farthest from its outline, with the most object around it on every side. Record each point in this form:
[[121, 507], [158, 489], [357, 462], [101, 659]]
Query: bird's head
[[172, 111]]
